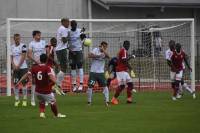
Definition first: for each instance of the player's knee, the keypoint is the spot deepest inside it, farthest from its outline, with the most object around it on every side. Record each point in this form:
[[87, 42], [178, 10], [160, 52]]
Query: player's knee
[[130, 85], [122, 87], [73, 66], [173, 84], [177, 82], [182, 82], [90, 86]]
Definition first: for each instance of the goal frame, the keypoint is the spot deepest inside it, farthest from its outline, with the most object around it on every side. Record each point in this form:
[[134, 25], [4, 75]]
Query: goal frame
[[8, 38]]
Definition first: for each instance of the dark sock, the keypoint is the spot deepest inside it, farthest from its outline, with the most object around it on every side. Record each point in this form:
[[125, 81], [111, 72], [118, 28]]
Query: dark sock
[[54, 109]]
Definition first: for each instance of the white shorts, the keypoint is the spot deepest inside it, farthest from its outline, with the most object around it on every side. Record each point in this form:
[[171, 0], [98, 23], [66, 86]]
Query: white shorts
[[123, 78], [176, 76], [49, 98]]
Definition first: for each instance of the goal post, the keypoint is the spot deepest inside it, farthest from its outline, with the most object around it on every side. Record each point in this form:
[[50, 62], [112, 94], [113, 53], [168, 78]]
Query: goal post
[[115, 31]]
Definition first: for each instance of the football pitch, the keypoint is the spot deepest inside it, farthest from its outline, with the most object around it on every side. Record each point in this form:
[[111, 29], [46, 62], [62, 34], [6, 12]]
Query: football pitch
[[153, 112]]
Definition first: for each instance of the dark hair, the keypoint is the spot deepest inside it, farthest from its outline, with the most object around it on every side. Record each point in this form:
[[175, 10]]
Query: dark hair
[[16, 35], [53, 41], [104, 43], [43, 58], [178, 45], [171, 42], [126, 43], [35, 32], [64, 19]]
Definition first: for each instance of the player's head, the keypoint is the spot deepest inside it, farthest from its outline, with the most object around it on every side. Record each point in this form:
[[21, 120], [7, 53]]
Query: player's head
[[172, 45], [126, 45], [17, 39], [36, 35], [53, 41], [65, 22], [73, 25], [178, 47], [103, 45], [43, 58]]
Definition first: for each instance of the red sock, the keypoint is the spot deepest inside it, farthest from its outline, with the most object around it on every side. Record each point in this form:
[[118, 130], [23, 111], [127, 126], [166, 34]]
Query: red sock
[[54, 109], [119, 90], [42, 107], [129, 90]]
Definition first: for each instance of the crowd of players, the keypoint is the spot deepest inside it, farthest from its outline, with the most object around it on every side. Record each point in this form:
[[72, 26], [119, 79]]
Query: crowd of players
[[69, 41]]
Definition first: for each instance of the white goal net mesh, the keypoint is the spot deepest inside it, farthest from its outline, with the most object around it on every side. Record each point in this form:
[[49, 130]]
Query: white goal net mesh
[[149, 41]]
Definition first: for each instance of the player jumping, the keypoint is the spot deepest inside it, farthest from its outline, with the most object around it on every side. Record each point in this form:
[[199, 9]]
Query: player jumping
[[44, 80], [76, 36]]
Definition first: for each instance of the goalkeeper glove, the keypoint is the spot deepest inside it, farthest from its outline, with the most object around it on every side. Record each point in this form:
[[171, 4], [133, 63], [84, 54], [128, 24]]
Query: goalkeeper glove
[[132, 74]]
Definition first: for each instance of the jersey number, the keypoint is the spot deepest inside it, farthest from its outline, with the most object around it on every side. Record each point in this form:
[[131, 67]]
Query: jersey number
[[39, 75]]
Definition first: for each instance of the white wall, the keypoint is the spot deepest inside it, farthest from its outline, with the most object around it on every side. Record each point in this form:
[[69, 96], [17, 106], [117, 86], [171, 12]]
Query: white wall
[[42, 9]]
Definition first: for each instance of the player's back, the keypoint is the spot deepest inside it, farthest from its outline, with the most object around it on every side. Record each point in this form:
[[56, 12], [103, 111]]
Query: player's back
[[121, 66], [177, 60], [41, 74]]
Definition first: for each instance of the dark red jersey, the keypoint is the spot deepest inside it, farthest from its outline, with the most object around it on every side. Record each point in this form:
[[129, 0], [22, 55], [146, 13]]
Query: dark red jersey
[[177, 61], [120, 64], [41, 74], [50, 61]]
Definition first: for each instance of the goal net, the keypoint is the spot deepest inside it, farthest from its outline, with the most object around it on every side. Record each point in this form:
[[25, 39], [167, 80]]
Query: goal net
[[148, 37]]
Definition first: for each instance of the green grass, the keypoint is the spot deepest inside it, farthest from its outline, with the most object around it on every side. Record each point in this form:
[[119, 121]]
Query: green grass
[[154, 112]]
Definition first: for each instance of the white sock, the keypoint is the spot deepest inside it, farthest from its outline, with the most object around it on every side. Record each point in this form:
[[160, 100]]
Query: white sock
[[33, 93], [106, 94], [89, 93], [187, 88], [16, 91], [24, 92], [81, 75], [73, 74], [60, 77]]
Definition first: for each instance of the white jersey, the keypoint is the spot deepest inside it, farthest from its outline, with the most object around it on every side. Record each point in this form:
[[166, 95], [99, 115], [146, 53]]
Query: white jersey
[[168, 54], [75, 43], [16, 52], [37, 48], [61, 32], [98, 64]]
